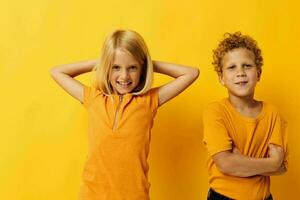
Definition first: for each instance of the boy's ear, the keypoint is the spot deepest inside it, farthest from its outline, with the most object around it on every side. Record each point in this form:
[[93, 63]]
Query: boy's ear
[[258, 74], [221, 79]]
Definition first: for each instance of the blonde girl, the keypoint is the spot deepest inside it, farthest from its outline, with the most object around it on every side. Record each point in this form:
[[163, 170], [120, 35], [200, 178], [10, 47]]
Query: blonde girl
[[121, 107]]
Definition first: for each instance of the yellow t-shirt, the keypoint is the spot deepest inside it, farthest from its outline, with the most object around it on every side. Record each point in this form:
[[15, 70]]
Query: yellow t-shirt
[[224, 127], [119, 134]]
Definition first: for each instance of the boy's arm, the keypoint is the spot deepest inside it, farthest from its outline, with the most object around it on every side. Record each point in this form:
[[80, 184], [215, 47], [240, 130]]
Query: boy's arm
[[184, 76], [279, 137], [236, 164], [64, 76], [280, 171]]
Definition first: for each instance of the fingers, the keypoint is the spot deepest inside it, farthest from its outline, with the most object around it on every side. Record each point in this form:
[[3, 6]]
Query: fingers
[[275, 149], [236, 150]]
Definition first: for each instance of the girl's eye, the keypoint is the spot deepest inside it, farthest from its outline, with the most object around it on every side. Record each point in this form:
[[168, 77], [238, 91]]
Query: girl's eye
[[115, 67], [231, 67], [132, 68]]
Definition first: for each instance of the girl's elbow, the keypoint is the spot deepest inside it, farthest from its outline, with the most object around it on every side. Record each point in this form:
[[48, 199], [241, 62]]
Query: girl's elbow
[[55, 72], [52, 71], [195, 72]]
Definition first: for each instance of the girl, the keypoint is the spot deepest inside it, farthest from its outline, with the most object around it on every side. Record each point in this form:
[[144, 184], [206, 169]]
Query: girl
[[121, 107]]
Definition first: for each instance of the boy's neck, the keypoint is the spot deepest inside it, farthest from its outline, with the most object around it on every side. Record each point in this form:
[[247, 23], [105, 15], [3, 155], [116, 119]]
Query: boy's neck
[[246, 106]]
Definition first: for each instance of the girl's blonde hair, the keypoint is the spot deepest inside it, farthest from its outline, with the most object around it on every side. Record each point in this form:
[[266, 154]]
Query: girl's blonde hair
[[133, 43]]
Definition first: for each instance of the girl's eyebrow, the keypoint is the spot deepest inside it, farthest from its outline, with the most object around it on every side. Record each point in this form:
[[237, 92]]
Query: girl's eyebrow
[[131, 64]]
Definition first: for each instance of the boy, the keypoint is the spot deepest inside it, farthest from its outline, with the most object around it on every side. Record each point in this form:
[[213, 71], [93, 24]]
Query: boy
[[245, 138]]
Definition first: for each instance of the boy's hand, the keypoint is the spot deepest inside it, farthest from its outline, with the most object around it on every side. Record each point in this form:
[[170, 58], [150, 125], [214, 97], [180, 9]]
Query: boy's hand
[[236, 150], [276, 154]]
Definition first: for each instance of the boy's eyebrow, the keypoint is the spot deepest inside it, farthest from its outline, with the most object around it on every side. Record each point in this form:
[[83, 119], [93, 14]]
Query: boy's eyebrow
[[229, 65], [248, 62]]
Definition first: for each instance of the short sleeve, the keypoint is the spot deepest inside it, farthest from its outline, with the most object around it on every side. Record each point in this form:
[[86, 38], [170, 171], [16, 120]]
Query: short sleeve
[[152, 99], [215, 135], [280, 134], [89, 94]]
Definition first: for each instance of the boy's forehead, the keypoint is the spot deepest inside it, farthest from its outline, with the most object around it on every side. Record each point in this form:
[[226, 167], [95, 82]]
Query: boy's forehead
[[238, 55]]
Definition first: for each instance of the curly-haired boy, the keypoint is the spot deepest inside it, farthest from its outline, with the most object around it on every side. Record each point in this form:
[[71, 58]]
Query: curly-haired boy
[[245, 138]]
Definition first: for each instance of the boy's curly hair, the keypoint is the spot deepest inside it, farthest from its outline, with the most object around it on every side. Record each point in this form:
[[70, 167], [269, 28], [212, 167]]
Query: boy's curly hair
[[232, 41]]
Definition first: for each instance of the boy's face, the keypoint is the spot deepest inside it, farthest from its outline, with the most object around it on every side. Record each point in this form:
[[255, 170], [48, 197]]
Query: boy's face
[[239, 72], [124, 75]]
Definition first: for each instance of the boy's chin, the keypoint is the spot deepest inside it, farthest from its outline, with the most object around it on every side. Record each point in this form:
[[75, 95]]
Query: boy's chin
[[241, 93], [245, 95]]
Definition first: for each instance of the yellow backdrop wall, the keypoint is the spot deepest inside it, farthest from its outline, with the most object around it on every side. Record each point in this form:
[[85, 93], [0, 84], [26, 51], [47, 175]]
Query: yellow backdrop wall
[[43, 130]]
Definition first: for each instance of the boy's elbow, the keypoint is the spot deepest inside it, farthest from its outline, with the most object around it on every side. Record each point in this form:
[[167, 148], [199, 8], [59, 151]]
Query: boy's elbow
[[222, 162], [284, 169], [224, 166]]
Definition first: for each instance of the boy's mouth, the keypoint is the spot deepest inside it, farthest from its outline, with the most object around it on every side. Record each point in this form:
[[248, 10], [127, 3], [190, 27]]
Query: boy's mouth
[[241, 83]]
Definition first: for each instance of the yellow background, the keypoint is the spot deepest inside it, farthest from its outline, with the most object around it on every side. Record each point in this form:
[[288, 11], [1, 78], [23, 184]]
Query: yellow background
[[43, 130]]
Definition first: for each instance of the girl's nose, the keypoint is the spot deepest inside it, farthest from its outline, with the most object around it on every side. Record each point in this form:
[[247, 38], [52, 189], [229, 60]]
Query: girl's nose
[[124, 74]]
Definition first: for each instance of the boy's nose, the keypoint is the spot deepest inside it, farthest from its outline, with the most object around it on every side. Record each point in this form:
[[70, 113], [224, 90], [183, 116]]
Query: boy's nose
[[241, 71]]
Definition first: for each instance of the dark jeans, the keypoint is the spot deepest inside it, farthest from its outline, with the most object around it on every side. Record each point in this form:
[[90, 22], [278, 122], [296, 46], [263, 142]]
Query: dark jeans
[[213, 195]]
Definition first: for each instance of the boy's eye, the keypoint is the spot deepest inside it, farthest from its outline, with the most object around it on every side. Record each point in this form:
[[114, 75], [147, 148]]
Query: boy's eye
[[231, 67], [248, 65]]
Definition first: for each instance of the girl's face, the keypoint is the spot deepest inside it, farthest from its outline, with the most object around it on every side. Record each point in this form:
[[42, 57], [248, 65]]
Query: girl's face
[[124, 75], [239, 72]]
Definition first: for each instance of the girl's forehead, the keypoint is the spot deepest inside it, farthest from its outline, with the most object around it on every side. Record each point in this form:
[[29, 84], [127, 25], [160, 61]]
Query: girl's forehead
[[123, 56]]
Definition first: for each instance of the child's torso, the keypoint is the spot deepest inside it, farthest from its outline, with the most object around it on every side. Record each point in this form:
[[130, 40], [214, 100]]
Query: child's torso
[[119, 137]]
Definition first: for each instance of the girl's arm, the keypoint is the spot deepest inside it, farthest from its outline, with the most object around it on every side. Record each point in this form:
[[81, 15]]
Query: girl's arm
[[184, 76], [236, 164], [64, 76]]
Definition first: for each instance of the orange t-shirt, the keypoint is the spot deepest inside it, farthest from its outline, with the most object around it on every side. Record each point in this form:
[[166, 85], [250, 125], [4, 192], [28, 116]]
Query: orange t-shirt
[[224, 127], [119, 134]]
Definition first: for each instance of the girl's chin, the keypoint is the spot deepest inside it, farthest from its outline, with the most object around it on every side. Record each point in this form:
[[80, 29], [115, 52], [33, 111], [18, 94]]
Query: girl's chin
[[123, 91]]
